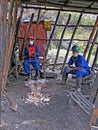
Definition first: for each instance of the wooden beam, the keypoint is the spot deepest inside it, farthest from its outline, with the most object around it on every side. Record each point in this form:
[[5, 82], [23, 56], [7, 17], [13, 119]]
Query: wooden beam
[[36, 30], [52, 33], [55, 9], [26, 35], [94, 89], [71, 41], [61, 41], [3, 34], [91, 48], [8, 52], [95, 59], [91, 36]]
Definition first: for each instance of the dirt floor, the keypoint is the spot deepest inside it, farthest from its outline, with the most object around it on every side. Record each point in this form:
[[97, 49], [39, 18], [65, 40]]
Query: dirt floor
[[60, 113]]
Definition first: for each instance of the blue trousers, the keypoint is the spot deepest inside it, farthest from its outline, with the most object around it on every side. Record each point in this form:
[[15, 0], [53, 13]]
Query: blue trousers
[[34, 62], [78, 73]]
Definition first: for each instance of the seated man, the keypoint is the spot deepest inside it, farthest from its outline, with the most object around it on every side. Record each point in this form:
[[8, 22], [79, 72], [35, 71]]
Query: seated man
[[80, 69], [31, 52]]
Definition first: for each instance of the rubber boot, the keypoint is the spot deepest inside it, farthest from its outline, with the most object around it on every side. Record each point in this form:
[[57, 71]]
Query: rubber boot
[[37, 75], [79, 84], [64, 78]]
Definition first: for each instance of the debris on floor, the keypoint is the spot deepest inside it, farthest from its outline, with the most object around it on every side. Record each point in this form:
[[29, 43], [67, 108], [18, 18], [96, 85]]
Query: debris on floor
[[36, 96], [81, 100]]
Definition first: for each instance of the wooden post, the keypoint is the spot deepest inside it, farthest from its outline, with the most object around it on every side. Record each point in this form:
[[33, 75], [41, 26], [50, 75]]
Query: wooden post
[[95, 59], [71, 40], [91, 36], [10, 19], [36, 30], [94, 100], [52, 33], [26, 35], [8, 53], [91, 48], [61, 40], [3, 34]]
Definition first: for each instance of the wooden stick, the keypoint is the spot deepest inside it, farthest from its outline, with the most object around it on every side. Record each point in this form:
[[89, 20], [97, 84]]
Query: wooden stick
[[48, 45], [61, 41], [26, 35], [71, 41], [91, 36], [36, 30]]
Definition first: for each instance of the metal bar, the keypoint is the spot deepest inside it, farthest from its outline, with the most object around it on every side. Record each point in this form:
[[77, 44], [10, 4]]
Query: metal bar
[[91, 48], [71, 41], [91, 36], [61, 41], [52, 33]]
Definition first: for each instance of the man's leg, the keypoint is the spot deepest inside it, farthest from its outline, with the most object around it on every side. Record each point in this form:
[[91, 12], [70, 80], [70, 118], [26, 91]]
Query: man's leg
[[37, 69], [64, 76], [79, 75], [26, 66]]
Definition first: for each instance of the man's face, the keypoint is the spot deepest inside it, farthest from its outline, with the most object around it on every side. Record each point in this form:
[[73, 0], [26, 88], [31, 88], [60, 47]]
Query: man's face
[[31, 42], [75, 53]]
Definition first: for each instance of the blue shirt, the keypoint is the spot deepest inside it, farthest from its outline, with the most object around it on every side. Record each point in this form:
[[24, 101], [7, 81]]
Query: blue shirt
[[79, 62], [26, 51]]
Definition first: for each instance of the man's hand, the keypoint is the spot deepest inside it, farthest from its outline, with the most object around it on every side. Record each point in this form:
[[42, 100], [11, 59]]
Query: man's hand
[[77, 68], [68, 69]]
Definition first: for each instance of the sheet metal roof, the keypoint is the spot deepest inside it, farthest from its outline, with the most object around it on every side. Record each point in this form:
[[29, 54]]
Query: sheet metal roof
[[87, 6]]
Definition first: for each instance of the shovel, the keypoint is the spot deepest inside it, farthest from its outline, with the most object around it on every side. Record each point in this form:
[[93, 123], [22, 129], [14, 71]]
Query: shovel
[[13, 105]]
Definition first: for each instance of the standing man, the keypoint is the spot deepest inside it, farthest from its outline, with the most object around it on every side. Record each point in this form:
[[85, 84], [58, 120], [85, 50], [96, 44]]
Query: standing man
[[32, 53], [80, 69]]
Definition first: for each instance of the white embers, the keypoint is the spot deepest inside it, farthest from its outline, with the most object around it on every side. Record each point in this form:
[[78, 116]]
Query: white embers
[[36, 96]]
